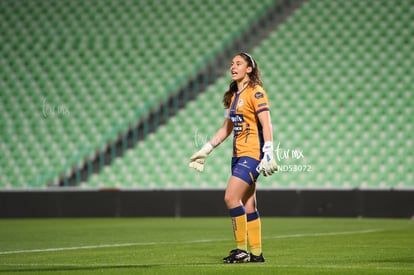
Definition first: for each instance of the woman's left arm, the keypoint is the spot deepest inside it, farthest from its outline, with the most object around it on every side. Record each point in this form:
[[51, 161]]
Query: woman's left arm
[[265, 121], [268, 163]]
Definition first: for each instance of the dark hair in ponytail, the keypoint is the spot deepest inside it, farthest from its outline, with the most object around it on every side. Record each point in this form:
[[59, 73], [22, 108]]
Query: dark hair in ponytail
[[254, 76]]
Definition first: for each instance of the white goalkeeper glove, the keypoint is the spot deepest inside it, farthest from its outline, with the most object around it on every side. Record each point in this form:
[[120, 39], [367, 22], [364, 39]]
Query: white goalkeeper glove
[[198, 159], [268, 164]]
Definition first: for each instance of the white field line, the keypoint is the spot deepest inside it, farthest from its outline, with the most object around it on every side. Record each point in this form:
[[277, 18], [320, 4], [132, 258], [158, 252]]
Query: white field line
[[324, 234], [56, 249]]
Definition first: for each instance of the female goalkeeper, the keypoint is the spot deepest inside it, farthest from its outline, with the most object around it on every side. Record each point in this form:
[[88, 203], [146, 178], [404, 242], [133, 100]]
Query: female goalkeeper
[[248, 116]]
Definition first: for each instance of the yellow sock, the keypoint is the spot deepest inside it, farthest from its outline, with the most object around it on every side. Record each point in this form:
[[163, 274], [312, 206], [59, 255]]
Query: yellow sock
[[239, 219], [254, 232]]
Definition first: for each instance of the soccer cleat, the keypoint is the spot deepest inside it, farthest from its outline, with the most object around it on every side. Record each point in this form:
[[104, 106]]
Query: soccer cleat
[[256, 259], [237, 256]]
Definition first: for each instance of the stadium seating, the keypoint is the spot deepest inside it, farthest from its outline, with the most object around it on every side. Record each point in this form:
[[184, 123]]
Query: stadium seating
[[76, 73], [339, 76]]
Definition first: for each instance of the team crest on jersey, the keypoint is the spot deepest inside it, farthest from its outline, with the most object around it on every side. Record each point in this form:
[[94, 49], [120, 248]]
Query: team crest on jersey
[[240, 103], [258, 95]]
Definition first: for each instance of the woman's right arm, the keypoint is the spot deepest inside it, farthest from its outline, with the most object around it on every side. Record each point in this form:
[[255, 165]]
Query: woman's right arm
[[198, 159], [222, 133]]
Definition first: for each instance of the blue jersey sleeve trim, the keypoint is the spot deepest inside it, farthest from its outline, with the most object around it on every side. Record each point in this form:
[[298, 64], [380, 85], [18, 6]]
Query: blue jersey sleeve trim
[[262, 110]]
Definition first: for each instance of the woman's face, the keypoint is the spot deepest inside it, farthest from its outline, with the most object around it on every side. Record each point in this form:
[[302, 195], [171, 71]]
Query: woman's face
[[239, 68]]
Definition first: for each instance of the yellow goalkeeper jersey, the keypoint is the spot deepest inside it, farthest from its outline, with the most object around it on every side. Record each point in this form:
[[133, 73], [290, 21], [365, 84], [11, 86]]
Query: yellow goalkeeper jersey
[[244, 108]]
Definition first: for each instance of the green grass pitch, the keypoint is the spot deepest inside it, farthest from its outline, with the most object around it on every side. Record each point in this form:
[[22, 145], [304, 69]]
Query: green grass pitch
[[197, 245]]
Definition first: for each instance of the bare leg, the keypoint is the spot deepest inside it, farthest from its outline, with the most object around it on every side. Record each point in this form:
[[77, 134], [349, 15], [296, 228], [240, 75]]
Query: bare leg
[[236, 191], [249, 199]]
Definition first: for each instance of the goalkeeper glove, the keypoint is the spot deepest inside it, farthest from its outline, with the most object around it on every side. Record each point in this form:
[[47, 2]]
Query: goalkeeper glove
[[198, 159], [268, 164]]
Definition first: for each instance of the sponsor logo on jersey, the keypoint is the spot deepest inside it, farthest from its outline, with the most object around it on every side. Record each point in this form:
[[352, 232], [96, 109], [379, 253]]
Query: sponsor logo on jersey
[[238, 129], [237, 118], [237, 123]]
